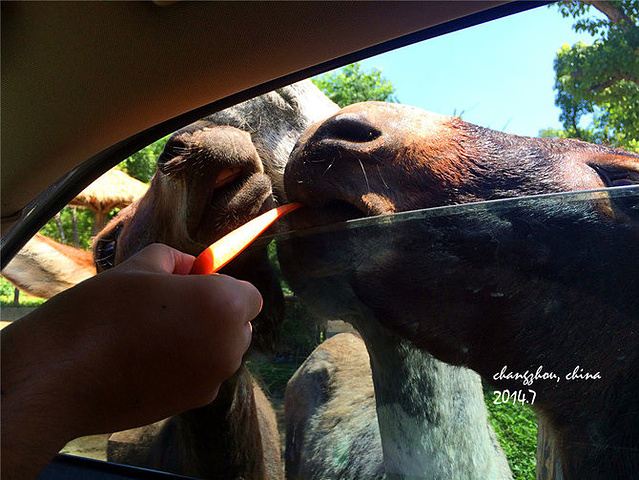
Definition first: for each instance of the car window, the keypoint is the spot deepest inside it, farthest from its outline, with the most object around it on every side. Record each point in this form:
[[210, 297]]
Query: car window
[[388, 277]]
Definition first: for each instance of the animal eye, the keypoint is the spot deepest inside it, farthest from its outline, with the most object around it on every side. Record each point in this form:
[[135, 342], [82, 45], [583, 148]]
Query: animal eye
[[105, 250], [614, 176]]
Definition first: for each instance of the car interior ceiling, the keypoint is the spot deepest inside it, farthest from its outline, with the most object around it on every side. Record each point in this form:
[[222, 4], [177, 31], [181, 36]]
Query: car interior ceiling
[[87, 84]]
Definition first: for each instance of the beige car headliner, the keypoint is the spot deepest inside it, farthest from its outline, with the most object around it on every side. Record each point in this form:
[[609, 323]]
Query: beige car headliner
[[79, 77]]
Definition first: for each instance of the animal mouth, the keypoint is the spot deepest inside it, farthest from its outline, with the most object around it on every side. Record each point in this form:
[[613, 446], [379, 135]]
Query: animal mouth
[[344, 209], [335, 206], [323, 214], [230, 196], [326, 183], [227, 183], [359, 206], [227, 176]]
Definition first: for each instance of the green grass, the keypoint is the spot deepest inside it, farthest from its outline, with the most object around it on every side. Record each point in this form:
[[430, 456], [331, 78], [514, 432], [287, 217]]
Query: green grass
[[25, 300], [514, 424], [271, 375], [516, 428]]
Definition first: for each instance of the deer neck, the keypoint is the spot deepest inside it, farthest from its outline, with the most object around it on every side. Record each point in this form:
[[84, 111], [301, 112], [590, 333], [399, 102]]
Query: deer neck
[[432, 417], [222, 439]]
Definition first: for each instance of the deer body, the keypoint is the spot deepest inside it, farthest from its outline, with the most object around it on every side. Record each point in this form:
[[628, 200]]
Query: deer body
[[529, 283]]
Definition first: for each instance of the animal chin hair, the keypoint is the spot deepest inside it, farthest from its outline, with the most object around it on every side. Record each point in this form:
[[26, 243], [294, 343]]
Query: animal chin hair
[[172, 202]]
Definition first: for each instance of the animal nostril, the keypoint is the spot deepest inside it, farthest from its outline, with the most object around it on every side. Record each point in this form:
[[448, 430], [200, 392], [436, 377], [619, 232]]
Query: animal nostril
[[351, 128]]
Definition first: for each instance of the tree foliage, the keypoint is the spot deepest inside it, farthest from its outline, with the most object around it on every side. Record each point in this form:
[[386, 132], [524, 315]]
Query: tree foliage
[[141, 165], [351, 85], [600, 80], [65, 231]]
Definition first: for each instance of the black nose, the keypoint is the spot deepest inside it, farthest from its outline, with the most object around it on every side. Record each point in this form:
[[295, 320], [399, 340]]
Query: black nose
[[348, 127]]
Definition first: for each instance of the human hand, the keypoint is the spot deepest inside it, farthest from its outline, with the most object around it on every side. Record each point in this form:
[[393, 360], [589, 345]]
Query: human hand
[[128, 347]]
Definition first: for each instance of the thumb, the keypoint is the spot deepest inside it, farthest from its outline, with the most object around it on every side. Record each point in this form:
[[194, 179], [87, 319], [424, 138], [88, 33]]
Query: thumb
[[159, 258]]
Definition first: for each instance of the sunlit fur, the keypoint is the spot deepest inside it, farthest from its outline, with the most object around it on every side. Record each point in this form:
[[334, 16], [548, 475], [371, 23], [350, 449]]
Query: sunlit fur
[[275, 122], [441, 429], [541, 282], [44, 267], [331, 422], [236, 435]]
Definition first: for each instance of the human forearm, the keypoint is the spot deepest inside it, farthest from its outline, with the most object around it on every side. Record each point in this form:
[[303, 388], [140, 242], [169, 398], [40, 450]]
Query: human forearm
[[37, 420], [128, 347]]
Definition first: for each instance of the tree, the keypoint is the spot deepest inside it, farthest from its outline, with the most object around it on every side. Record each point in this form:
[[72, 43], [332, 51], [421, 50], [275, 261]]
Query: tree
[[351, 85], [84, 226], [602, 79]]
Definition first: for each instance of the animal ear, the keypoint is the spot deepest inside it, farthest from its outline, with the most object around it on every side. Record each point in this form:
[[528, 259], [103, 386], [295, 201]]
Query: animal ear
[[105, 247]]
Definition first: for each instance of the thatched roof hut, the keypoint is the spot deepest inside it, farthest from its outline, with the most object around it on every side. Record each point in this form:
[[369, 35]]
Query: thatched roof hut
[[114, 189]]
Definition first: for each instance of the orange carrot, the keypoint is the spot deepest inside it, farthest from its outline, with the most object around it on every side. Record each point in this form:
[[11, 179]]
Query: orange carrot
[[231, 245]]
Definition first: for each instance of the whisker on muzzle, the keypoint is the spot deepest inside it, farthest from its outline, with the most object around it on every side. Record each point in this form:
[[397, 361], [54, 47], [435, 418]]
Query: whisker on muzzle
[[368, 185], [329, 167], [382, 177]]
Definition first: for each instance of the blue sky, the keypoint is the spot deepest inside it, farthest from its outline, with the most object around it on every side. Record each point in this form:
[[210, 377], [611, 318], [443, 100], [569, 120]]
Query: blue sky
[[498, 75]]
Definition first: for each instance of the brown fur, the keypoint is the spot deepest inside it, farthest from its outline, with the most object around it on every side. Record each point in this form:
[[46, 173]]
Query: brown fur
[[44, 267], [236, 435], [541, 282], [275, 121], [439, 432], [427, 419], [331, 424], [437, 161]]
